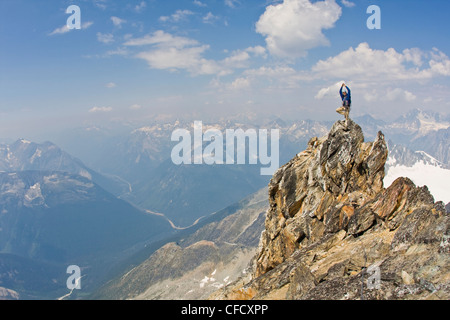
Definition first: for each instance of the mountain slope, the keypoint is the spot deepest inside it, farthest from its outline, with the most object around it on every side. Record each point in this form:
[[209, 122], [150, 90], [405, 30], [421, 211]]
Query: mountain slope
[[187, 192], [334, 232], [62, 219], [26, 155], [196, 264], [422, 130]]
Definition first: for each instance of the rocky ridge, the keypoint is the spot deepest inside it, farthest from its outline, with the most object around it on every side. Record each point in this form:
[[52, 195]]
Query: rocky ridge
[[333, 231]]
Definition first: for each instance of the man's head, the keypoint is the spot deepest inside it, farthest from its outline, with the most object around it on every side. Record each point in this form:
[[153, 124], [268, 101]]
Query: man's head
[[344, 93]]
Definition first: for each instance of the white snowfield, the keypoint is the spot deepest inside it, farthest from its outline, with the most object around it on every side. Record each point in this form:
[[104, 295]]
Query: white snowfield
[[436, 178]]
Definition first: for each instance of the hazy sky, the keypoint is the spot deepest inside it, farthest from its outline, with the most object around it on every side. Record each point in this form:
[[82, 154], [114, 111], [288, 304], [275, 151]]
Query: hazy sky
[[151, 59]]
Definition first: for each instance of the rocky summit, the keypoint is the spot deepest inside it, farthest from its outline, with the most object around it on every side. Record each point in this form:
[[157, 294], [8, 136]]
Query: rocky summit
[[333, 231]]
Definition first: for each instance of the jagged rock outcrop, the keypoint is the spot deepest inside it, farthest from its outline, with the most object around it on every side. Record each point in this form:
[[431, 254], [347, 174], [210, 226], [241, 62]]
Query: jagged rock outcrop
[[334, 232]]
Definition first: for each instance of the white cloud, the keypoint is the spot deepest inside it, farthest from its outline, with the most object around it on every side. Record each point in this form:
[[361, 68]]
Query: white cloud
[[283, 77], [105, 37], [366, 64], [180, 53], [100, 109], [177, 16], [174, 58], [240, 83], [61, 30], [331, 91], [161, 38], [174, 53], [86, 25], [140, 7], [210, 18], [111, 85], [257, 51], [100, 4], [237, 59], [379, 94], [293, 27], [117, 21], [398, 94], [272, 72], [347, 3], [231, 3], [199, 3], [439, 63], [65, 29]]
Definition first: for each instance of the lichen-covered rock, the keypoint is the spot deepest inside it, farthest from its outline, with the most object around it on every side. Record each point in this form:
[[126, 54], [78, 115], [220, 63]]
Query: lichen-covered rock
[[333, 231]]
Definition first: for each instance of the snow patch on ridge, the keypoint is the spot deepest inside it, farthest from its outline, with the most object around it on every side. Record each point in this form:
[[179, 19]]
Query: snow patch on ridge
[[433, 176]]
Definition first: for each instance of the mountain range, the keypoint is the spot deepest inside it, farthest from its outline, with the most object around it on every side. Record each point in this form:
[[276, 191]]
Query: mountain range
[[26, 155], [130, 207], [141, 157], [52, 219]]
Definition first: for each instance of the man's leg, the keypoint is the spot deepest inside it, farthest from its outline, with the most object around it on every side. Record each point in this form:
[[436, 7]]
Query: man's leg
[[347, 115], [341, 110]]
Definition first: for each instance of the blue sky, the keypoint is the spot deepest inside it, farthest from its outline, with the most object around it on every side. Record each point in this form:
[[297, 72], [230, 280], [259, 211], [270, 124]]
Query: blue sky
[[142, 60]]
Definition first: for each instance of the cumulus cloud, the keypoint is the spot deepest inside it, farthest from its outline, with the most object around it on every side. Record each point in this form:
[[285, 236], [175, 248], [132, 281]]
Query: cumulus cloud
[[240, 58], [293, 27], [330, 91], [369, 94], [399, 94], [365, 63]]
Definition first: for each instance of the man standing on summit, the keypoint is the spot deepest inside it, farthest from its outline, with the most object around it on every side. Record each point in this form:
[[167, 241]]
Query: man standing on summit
[[346, 102]]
